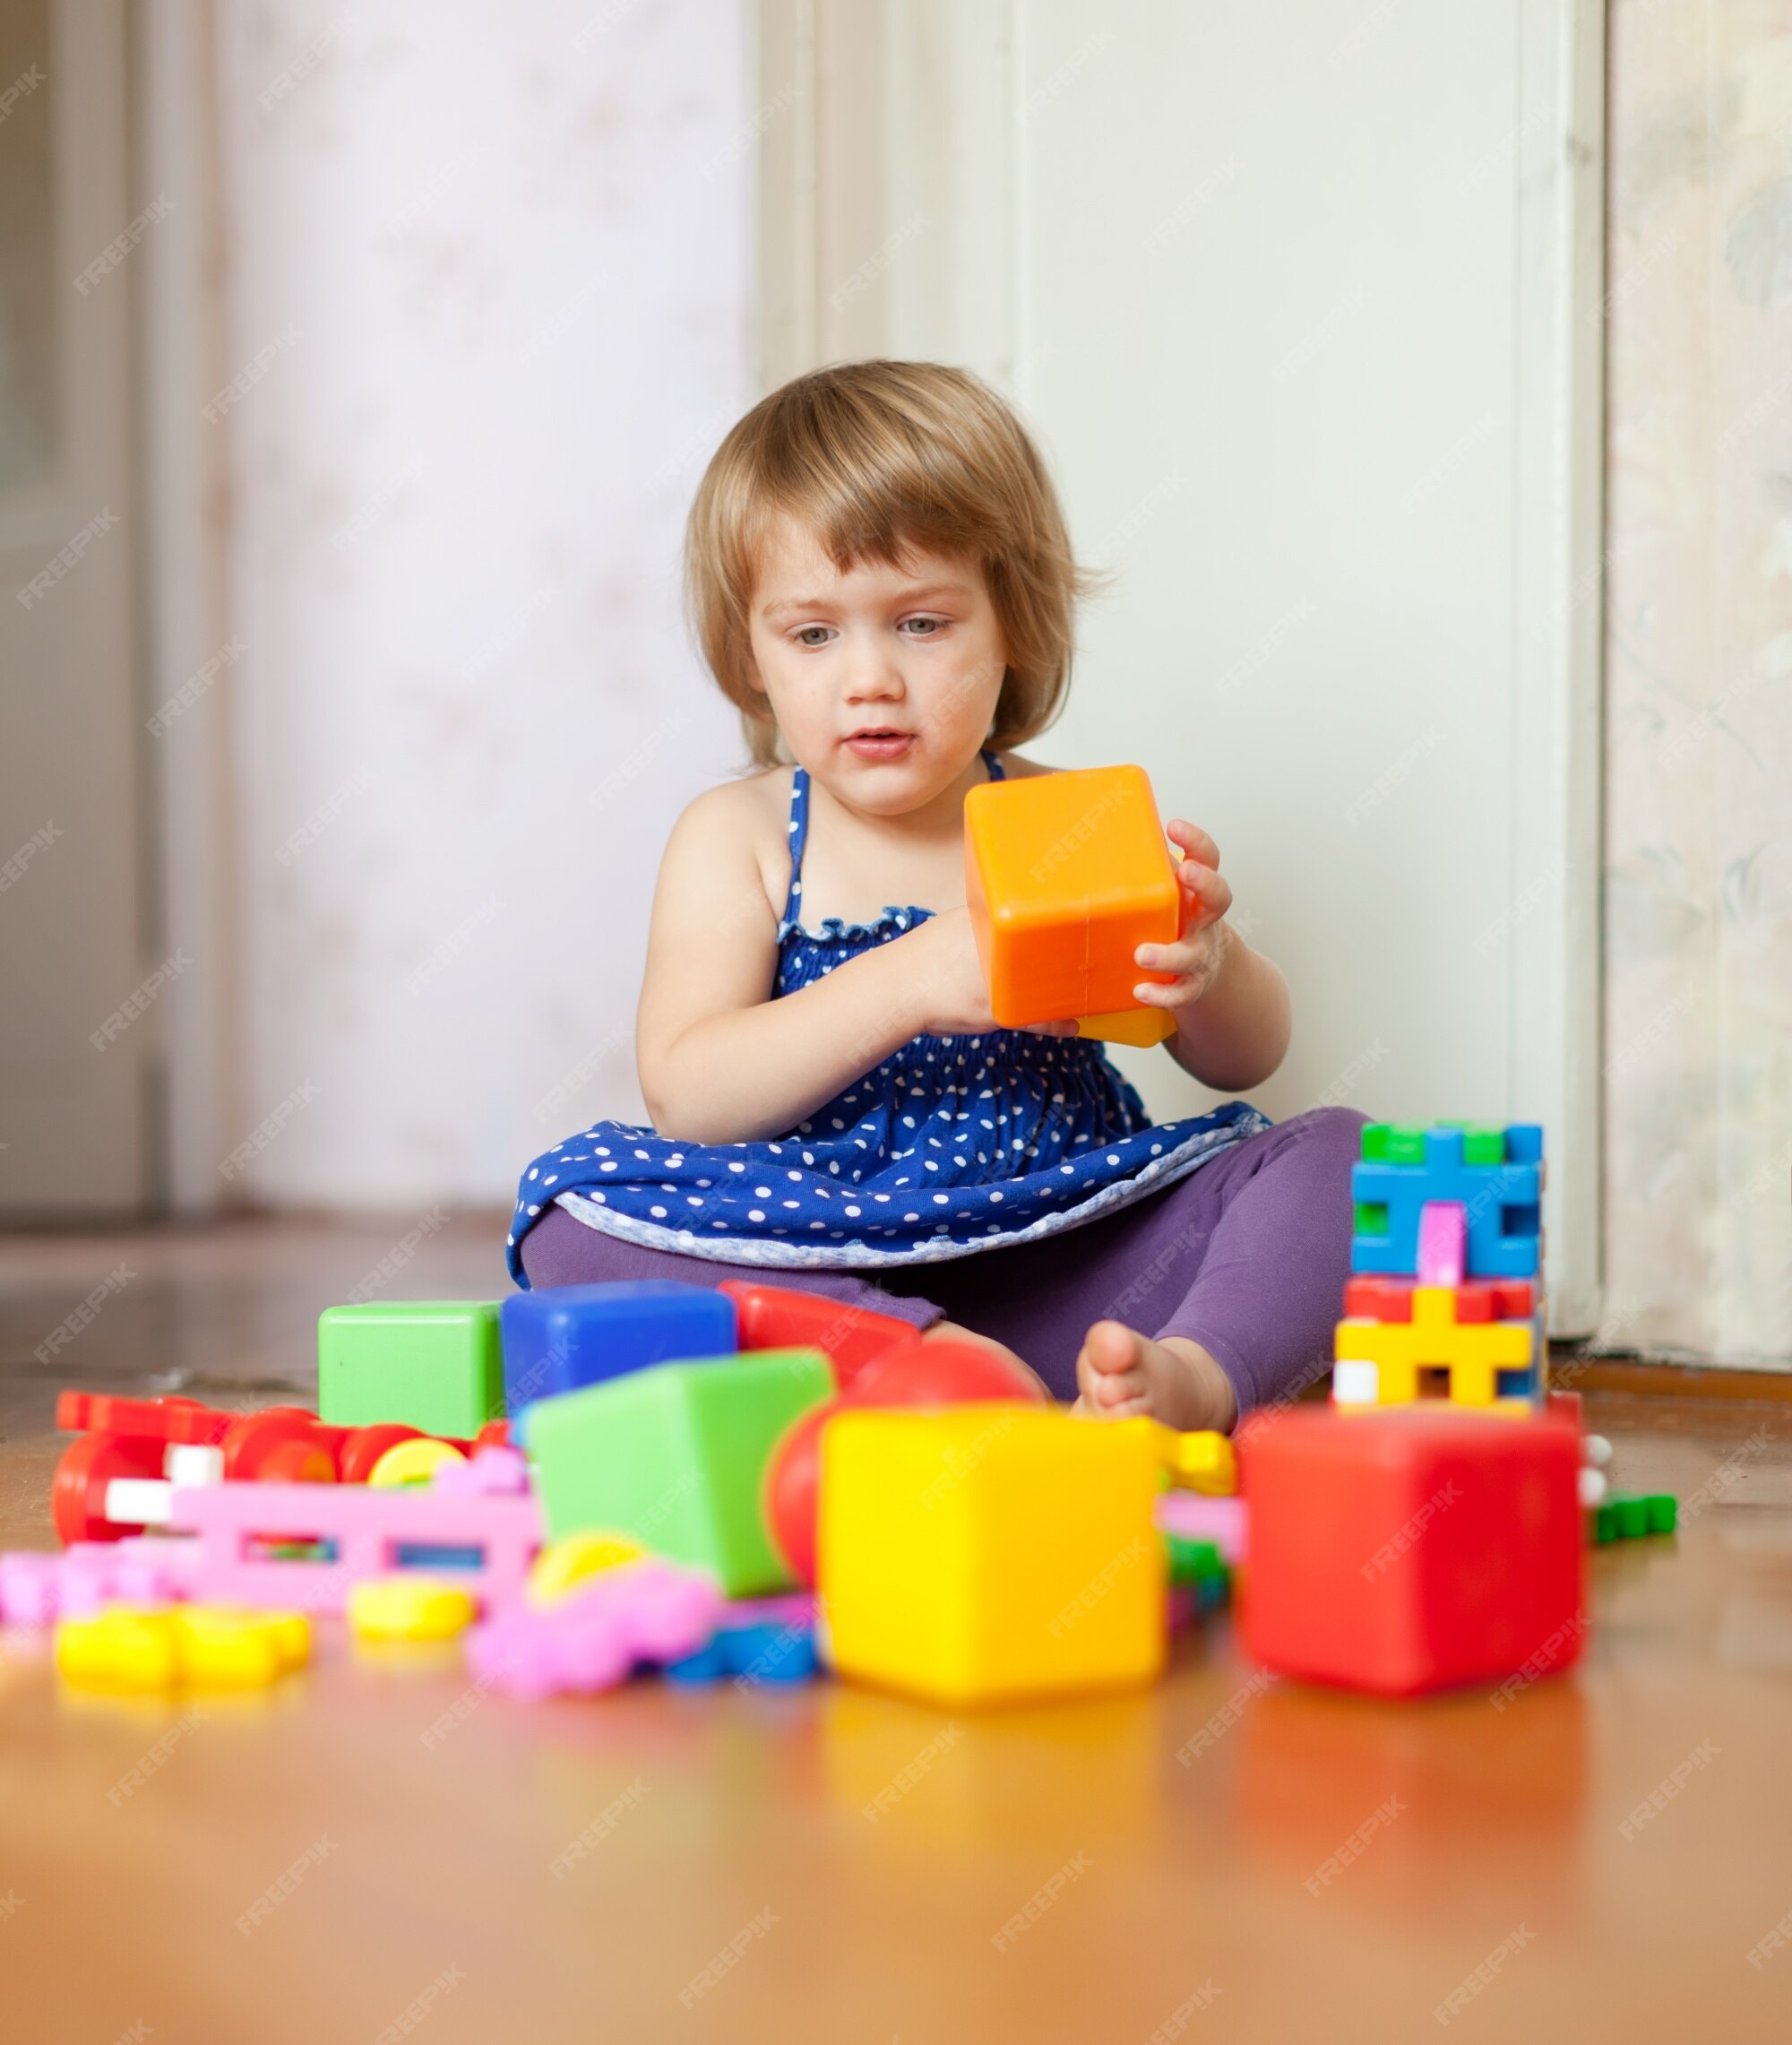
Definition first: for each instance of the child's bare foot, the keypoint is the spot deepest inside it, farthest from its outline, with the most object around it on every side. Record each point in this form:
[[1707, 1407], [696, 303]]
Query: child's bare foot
[[1121, 1373]]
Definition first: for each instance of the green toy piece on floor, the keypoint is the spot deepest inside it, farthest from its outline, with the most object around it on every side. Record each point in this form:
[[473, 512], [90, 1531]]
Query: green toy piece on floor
[[1634, 1518], [432, 1364], [675, 1455]]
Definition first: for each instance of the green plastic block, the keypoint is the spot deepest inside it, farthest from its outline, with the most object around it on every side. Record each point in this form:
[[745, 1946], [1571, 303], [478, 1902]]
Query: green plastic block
[[1664, 1512], [433, 1364], [1605, 1522], [1376, 1143], [675, 1454], [1371, 1217], [1192, 1561], [1633, 1517], [1406, 1143], [1483, 1143]]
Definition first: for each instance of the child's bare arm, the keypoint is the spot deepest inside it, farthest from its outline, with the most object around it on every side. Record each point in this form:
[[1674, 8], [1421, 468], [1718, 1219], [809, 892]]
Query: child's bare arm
[[1231, 1004], [719, 1061]]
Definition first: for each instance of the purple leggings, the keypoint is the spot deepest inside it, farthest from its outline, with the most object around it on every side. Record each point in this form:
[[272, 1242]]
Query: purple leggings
[[1247, 1257]]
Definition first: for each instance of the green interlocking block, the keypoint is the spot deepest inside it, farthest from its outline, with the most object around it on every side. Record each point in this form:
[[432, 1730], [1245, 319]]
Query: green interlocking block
[[433, 1364], [1664, 1512], [1371, 1217], [1633, 1517], [1605, 1522], [1192, 1561], [675, 1454], [1376, 1143], [1484, 1144]]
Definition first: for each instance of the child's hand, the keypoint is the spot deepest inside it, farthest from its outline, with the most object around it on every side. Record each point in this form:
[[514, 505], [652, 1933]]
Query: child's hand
[[1197, 954], [951, 993]]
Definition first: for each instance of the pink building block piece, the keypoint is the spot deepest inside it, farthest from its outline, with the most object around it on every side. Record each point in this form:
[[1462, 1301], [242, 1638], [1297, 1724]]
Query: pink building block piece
[[1443, 1242], [493, 1472], [1192, 1517], [29, 1588], [37, 1590], [648, 1610], [365, 1526]]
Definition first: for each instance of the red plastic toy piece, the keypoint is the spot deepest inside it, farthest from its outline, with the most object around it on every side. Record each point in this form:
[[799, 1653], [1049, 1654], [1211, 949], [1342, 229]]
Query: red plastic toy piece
[[78, 1488], [173, 1420], [1479, 1300], [1405, 1551], [918, 1374], [779, 1316]]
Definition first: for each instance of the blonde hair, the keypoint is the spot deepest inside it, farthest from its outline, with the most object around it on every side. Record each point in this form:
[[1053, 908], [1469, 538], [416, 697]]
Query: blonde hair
[[877, 458]]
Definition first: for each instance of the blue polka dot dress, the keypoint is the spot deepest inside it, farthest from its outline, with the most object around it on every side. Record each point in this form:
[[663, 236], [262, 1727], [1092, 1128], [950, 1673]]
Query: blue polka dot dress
[[953, 1145]]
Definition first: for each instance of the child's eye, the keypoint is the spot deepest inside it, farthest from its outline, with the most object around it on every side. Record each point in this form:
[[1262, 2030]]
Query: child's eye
[[803, 638], [925, 627]]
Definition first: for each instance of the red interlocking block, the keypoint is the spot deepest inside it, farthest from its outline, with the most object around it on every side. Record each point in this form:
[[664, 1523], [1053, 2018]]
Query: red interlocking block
[[783, 1316], [1402, 1550]]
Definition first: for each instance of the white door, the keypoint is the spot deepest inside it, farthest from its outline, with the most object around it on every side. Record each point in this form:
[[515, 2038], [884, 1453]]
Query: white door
[[1302, 304], [77, 1028]]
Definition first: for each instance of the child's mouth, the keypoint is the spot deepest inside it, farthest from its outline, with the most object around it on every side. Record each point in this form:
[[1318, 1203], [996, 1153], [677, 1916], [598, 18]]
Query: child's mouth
[[880, 744]]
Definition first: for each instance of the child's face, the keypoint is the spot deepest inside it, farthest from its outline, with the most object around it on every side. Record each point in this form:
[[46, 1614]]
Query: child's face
[[883, 680]]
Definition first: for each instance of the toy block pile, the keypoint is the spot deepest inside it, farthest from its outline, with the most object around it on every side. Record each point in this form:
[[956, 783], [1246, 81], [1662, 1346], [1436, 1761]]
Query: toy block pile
[[1445, 1298], [592, 1480]]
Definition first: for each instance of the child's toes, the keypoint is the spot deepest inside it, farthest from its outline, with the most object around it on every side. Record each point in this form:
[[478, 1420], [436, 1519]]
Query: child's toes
[[1110, 1368]]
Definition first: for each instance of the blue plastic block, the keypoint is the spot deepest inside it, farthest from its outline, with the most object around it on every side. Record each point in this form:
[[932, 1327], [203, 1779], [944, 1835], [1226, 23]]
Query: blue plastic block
[[1504, 1204], [769, 1652], [568, 1336], [707, 1665]]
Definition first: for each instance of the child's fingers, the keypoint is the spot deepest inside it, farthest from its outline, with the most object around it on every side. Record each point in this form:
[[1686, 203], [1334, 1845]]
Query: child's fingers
[[1194, 842]]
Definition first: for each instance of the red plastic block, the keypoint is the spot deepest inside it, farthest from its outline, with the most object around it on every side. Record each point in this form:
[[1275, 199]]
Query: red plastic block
[[183, 1420], [781, 1316], [1405, 1551], [1378, 1298]]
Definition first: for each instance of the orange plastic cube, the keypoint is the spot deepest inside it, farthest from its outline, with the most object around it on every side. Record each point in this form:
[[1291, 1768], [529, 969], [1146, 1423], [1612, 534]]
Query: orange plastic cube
[[1065, 875]]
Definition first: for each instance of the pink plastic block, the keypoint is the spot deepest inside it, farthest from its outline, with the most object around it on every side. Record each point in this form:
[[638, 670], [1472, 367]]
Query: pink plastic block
[[1443, 1242], [1192, 1517], [366, 1525], [36, 1590], [30, 1585], [648, 1610], [493, 1472]]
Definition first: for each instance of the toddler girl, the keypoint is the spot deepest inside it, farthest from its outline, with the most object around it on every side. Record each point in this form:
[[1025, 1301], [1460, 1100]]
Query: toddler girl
[[882, 582]]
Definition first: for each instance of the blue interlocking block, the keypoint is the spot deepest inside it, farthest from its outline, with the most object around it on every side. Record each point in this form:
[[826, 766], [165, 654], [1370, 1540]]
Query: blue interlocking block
[[1504, 1204], [760, 1652], [566, 1336]]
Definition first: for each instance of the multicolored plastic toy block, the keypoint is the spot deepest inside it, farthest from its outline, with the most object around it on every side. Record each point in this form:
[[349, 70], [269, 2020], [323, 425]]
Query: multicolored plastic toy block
[[780, 1317], [675, 1454], [1430, 1347], [1065, 875], [992, 1553], [432, 1364], [1495, 1176], [1403, 1552], [564, 1337]]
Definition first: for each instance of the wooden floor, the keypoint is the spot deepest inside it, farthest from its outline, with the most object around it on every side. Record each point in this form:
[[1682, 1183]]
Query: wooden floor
[[379, 1851]]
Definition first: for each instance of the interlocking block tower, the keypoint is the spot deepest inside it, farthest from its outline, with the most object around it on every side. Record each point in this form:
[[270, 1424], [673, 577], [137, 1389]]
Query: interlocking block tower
[[1065, 875], [1447, 1302], [991, 1552]]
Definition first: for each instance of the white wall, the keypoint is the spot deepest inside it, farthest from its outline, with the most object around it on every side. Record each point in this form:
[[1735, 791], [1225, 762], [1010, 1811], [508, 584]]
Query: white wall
[[1302, 304], [493, 262]]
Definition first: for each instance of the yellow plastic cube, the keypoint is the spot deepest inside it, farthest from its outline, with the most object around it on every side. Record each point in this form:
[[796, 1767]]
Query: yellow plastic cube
[[223, 1647], [409, 1607], [990, 1553]]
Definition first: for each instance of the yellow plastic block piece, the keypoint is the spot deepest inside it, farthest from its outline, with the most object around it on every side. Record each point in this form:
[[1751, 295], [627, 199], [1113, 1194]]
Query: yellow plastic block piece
[[120, 1649], [564, 1566], [987, 1553], [1473, 1353], [1065, 876], [409, 1607], [1141, 1026], [413, 1462], [205, 1646], [1203, 1461], [224, 1648]]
